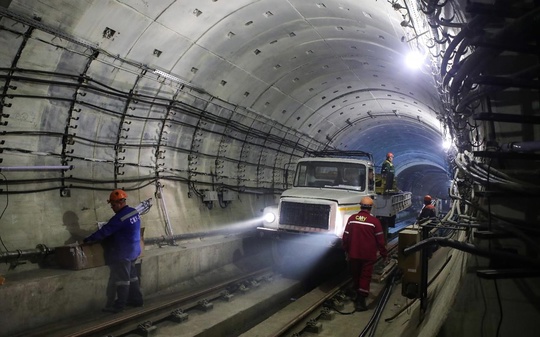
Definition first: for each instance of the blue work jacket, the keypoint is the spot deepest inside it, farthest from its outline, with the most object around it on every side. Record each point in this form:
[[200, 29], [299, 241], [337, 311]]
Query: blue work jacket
[[121, 236]]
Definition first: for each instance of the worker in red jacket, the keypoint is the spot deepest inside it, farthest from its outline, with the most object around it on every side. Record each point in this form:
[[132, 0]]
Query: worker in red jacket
[[428, 211], [362, 238]]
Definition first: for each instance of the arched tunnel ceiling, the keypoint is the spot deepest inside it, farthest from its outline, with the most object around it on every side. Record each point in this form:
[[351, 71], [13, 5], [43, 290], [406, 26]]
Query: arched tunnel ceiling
[[325, 73]]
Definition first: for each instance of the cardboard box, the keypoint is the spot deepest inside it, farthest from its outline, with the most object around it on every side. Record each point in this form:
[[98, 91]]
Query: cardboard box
[[80, 256], [84, 255]]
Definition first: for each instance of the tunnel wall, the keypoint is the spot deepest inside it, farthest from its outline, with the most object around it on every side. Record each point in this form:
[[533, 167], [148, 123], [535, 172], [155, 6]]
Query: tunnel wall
[[119, 124], [55, 221]]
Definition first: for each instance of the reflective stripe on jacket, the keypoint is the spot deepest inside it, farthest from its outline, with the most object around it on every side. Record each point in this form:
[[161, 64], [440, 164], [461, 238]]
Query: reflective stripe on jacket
[[363, 237], [122, 235]]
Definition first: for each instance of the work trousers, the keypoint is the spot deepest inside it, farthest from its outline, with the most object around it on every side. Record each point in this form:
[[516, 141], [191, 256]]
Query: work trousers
[[123, 285], [361, 271], [389, 185]]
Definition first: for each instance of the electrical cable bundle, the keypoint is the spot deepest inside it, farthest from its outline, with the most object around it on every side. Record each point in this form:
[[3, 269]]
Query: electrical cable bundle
[[371, 327]]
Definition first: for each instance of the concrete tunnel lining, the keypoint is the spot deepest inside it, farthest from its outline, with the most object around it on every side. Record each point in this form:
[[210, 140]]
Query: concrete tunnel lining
[[201, 95]]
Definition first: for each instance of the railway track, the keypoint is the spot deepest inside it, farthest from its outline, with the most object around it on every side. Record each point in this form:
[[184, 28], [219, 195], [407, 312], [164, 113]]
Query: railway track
[[217, 310], [144, 321], [326, 310], [230, 308]]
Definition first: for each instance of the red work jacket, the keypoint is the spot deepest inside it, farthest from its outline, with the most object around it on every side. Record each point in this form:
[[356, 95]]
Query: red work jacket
[[363, 236], [428, 211]]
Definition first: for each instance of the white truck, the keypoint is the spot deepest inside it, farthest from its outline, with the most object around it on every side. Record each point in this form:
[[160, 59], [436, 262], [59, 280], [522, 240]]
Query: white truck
[[327, 190]]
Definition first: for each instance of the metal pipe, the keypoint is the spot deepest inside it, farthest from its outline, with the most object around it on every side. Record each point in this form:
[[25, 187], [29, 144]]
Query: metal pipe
[[532, 146], [33, 255], [469, 248], [507, 118], [41, 251]]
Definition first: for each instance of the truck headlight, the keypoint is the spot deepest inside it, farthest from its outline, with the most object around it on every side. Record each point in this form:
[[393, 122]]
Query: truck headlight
[[269, 217]]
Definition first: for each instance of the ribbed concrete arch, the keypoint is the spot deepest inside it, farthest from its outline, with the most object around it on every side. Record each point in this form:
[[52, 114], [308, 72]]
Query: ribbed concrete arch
[[208, 95], [173, 99]]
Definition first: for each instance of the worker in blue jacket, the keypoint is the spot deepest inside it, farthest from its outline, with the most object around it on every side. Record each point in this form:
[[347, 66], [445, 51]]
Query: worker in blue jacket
[[121, 238]]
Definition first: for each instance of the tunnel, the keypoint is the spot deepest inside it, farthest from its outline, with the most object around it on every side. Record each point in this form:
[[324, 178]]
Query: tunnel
[[205, 107]]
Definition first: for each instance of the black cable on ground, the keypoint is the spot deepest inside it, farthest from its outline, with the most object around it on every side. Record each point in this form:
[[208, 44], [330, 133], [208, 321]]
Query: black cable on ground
[[383, 302], [413, 301], [371, 326]]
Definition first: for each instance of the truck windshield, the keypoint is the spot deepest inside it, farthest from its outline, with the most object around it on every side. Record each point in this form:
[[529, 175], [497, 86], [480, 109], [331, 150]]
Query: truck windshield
[[331, 174]]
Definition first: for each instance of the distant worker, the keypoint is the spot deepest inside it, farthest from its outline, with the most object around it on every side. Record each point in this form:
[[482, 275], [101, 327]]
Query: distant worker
[[428, 210], [362, 238], [387, 171], [122, 247]]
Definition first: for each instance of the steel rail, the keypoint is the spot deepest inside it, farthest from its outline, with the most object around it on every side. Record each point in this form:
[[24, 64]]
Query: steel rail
[[341, 281], [310, 309], [129, 320]]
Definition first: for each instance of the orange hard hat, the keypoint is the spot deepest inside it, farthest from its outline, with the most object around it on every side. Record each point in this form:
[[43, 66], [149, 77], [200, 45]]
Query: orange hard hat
[[366, 202], [427, 198], [389, 154], [117, 195]]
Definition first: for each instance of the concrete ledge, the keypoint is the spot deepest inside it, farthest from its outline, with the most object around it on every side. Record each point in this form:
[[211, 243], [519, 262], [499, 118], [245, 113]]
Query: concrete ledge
[[44, 296]]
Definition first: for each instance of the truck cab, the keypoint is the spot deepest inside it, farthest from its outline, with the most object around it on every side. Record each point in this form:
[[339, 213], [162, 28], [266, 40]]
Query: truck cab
[[326, 191]]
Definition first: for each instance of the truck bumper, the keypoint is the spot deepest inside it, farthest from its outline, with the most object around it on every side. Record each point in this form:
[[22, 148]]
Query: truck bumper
[[318, 239]]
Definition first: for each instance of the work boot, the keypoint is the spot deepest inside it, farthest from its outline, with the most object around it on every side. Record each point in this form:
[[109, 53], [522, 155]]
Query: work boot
[[360, 304], [122, 293], [351, 293]]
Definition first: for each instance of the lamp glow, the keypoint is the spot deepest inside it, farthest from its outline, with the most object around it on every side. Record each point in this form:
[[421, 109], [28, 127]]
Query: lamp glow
[[446, 144], [447, 141], [269, 217], [414, 59]]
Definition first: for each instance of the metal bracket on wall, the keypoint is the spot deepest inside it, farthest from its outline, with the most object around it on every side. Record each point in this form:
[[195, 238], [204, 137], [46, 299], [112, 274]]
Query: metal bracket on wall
[[65, 192]]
